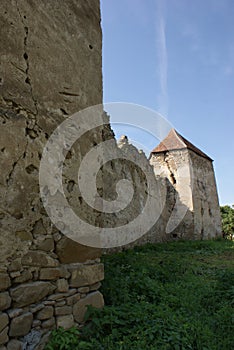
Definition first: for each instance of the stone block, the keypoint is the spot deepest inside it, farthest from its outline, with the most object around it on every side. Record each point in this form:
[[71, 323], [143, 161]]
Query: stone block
[[25, 276], [48, 323], [5, 301], [39, 259], [70, 251], [30, 293], [73, 299], [54, 273], [63, 310], [62, 286], [14, 344], [36, 323], [47, 245], [15, 266], [58, 296], [5, 281], [36, 308], [45, 313], [21, 325], [72, 291], [95, 286], [79, 309], [24, 235], [60, 303], [83, 290], [15, 274], [49, 302], [4, 336], [4, 320], [57, 236], [14, 312], [85, 275], [39, 228], [66, 321]]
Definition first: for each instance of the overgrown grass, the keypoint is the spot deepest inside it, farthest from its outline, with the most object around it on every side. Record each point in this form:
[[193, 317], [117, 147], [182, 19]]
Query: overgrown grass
[[164, 296]]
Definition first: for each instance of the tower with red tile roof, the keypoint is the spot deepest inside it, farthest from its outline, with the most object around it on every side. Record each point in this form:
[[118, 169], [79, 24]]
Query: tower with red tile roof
[[189, 176]]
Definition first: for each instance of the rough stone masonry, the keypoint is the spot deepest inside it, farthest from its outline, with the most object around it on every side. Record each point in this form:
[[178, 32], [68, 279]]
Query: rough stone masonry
[[51, 67]]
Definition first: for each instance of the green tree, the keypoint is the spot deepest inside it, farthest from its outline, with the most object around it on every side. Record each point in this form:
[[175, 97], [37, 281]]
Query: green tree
[[227, 215]]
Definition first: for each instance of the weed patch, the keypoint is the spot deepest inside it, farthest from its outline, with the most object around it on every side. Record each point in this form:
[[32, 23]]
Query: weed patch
[[163, 296]]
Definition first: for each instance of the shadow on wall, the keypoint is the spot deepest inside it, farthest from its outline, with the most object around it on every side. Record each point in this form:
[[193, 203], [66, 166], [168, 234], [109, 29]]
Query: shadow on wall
[[158, 233]]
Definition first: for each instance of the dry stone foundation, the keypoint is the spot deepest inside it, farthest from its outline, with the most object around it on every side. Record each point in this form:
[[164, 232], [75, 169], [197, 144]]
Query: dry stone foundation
[[36, 299]]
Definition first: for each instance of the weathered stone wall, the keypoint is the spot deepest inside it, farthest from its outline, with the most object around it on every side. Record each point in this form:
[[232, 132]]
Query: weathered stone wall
[[185, 191], [173, 167], [39, 294], [207, 222], [134, 166], [50, 68], [171, 190], [195, 212]]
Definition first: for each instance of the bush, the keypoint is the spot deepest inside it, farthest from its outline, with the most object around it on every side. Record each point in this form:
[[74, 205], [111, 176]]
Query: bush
[[227, 215]]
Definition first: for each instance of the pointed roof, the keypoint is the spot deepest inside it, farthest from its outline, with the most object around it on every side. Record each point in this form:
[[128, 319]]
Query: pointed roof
[[174, 141]]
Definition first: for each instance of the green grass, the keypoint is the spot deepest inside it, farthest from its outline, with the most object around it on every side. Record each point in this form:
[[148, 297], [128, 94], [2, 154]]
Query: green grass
[[164, 296]]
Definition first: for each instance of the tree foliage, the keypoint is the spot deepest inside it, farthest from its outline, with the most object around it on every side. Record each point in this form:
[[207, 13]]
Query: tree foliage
[[227, 215]]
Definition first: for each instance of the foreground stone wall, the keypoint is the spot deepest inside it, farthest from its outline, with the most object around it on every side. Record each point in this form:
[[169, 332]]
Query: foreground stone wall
[[39, 294], [51, 67]]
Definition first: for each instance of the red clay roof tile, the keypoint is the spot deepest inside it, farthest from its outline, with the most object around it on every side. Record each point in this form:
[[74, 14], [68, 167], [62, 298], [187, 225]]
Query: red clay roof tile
[[174, 141]]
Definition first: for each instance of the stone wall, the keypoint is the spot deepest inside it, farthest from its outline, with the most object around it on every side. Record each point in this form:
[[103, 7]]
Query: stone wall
[[39, 294], [173, 205], [134, 166], [51, 67], [195, 212], [207, 222], [173, 167]]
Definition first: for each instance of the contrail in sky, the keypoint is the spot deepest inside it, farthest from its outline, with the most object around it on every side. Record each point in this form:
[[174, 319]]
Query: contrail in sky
[[161, 46]]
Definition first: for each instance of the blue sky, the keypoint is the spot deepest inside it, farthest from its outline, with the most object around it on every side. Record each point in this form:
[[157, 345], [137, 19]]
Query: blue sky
[[176, 57]]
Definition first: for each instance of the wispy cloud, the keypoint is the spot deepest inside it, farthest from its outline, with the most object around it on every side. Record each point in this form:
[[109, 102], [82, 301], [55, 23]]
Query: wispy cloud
[[161, 47]]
